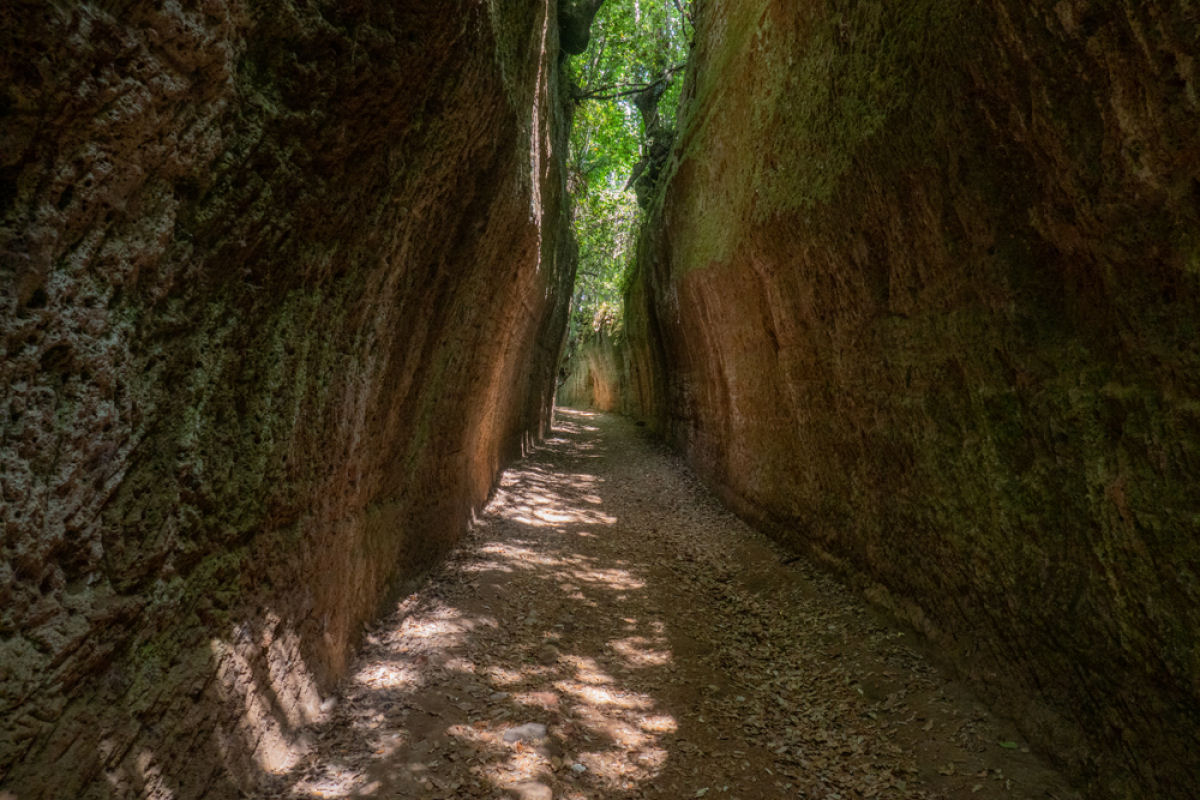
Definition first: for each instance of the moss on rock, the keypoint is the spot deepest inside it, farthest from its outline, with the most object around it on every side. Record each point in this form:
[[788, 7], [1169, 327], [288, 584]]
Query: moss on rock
[[921, 301]]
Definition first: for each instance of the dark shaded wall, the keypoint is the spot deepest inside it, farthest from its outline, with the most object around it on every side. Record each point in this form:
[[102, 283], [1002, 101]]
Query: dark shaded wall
[[926, 280], [282, 286]]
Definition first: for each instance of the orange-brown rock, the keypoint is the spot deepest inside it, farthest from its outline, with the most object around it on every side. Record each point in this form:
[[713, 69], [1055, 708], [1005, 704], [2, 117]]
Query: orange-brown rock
[[282, 285], [926, 280], [596, 374]]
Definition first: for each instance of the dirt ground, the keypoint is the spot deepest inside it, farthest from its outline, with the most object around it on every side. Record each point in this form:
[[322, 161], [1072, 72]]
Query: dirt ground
[[608, 630]]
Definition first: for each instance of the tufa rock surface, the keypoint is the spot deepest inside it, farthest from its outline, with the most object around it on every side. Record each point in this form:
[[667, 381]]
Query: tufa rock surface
[[927, 279], [595, 377], [282, 286]]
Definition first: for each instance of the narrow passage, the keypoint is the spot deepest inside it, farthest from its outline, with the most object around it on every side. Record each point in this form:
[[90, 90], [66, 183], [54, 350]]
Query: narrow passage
[[608, 630]]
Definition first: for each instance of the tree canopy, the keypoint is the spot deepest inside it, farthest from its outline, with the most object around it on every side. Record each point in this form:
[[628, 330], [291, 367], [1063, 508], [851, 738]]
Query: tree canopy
[[636, 52]]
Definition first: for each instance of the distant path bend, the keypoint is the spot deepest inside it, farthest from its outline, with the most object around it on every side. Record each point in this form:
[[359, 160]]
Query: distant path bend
[[608, 630]]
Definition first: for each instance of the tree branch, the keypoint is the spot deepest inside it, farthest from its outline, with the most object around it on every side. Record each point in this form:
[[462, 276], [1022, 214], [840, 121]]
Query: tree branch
[[625, 89]]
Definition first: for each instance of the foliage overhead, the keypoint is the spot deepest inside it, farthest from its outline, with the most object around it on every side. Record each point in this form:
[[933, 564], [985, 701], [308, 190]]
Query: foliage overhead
[[637, 47]]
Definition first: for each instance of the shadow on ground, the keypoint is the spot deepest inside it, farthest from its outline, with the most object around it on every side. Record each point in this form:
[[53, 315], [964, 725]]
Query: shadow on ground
[[607, 630], [477, 687]]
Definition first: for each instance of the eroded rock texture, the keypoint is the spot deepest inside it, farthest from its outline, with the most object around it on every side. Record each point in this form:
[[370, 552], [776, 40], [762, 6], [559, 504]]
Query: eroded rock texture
[[282, 285], [927, 279]]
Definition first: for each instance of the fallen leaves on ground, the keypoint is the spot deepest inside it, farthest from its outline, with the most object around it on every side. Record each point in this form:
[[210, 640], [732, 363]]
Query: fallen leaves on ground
[[609, 630]]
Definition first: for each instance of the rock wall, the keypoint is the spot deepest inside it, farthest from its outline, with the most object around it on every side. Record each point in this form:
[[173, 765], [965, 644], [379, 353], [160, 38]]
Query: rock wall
[[926, 280], [283, 284]]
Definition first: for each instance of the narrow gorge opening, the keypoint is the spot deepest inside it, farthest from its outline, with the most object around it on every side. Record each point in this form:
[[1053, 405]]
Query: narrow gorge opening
[[625, 90]]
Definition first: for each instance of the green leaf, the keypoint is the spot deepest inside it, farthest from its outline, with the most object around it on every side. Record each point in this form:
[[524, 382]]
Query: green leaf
[[633, 43]]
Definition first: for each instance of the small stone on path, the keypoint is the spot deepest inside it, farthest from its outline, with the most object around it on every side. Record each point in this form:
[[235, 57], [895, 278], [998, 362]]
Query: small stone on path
[[529, 732]]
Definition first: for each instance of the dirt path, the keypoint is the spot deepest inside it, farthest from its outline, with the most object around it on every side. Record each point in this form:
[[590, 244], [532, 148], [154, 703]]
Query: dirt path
[[608, 630]]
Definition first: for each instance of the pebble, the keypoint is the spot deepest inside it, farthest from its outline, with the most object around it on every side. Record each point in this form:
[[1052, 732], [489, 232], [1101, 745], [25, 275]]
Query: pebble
[[529, 732]]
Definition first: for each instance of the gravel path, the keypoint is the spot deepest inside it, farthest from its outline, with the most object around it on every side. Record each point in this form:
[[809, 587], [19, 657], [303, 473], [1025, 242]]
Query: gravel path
[[608, 630]]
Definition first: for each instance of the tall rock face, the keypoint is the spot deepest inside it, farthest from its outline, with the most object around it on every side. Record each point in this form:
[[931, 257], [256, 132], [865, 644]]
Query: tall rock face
[[926, 276], [282, 285]]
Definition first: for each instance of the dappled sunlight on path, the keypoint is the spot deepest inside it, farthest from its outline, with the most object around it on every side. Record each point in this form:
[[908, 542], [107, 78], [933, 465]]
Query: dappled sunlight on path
[[607, 631]]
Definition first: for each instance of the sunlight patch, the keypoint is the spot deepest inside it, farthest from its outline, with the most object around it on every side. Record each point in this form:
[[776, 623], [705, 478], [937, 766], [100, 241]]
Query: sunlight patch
[[612, 578], [588, 670], [599, 696], [389, 676], [638, 651], [543, 700], [659, 723]]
